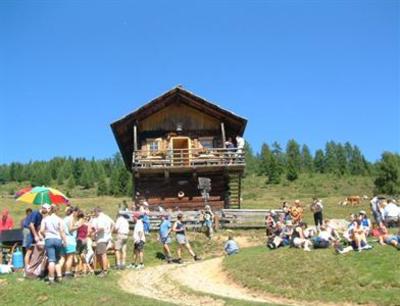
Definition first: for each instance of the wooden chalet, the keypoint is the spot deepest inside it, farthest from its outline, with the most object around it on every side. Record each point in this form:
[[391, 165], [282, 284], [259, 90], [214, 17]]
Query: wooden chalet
[[175, 139]]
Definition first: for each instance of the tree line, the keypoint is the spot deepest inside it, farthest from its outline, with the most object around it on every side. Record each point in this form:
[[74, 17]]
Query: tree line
[[276, 163], [110, 176]]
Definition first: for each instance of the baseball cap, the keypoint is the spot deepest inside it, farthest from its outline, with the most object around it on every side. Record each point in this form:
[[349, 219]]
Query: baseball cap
[[46, 206]]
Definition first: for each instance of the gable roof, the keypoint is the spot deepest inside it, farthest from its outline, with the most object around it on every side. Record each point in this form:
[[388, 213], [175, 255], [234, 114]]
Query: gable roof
[[123, 128]]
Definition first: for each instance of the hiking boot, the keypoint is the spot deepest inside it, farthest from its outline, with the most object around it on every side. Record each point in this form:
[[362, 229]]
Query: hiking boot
[[196, 258], [179, 261]]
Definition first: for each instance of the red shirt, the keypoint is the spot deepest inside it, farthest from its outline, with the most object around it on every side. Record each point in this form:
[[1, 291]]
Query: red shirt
[[82, 232], [6, 223]]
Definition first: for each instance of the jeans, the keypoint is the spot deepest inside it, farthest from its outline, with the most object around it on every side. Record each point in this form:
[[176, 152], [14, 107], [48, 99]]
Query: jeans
[[53, 249]]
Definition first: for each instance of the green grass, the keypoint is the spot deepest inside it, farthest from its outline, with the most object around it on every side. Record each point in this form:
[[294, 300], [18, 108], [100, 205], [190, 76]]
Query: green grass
[[329, 188], [367, 277], [14, 290]]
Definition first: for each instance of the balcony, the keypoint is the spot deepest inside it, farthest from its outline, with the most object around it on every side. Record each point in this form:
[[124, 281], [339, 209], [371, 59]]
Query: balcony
[[180, 160]]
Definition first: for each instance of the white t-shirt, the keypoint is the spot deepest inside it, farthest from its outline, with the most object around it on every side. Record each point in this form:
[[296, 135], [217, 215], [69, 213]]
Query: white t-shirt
[[138, 232], [52, 226], [391, 210], [122, 226], [324, 235], [103, 224]]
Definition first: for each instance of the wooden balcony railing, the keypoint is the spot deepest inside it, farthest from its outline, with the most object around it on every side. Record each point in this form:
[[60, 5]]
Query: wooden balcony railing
[[189, 158]]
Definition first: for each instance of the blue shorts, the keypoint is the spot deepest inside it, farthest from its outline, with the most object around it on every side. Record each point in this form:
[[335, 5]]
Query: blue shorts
[[53, 249], [181, 239], [165, 240], [392, 238], [27, 239]]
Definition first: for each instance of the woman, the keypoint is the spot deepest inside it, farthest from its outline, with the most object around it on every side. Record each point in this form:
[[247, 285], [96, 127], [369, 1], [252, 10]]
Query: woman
[[52, 228], [180, 231], [299, 238]]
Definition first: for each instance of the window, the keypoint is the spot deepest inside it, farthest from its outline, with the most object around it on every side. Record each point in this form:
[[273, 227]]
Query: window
[[153, 145], [207, 142]]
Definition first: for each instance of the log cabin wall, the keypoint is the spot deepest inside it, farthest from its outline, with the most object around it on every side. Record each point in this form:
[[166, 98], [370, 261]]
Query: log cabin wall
[[165, 193]]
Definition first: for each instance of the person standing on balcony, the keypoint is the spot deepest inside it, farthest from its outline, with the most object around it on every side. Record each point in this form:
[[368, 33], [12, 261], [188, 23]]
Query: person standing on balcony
[[240, 147]]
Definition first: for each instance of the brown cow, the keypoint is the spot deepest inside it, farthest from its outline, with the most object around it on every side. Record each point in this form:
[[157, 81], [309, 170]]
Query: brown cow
[[353, 200]]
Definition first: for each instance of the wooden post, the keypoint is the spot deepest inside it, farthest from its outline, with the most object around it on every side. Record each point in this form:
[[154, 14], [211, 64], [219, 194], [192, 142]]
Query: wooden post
[[135, 146], [223, 135]]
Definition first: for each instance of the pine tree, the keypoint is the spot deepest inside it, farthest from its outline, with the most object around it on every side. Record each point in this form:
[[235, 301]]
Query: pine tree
[[60, 177], [114, 182], [341, 159], [87, 177], [388, 178], [71, 182], [357, 162], [265, 156], [292, 172], [293, 156], [306, 159], [102, 186], [319, 161], [279, 155], [331, 163], [251, 160], [274, 171]]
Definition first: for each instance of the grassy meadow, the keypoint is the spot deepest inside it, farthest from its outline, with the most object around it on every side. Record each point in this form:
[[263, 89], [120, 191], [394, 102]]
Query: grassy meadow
[[367, 277]]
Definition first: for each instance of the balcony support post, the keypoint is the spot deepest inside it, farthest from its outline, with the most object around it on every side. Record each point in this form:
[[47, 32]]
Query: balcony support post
[[135, 146], [223, 135]]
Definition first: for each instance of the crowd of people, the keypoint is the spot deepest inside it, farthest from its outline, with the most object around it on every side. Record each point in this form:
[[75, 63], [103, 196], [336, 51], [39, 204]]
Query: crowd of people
[[71, 242], [74, 245], [289, 229]]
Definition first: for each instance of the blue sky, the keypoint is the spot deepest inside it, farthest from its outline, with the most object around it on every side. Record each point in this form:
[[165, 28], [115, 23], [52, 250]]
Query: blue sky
[[310, 70]]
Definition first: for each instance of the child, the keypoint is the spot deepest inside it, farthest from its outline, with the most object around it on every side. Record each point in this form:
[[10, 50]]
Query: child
[[231, 247]]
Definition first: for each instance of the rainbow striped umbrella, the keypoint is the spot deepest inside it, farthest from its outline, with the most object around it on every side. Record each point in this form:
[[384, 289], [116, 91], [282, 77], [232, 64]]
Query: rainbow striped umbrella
[[40, 195]]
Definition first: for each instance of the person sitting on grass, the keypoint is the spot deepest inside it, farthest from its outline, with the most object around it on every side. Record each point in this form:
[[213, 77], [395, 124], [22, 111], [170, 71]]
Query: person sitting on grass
[[331, 229], [181, 238], [365, 221], [231, 247], [269, 224], [387, 239], [299, 238], [323, 239], [359, 240], [164, 237], [281, 235], [348, 234]]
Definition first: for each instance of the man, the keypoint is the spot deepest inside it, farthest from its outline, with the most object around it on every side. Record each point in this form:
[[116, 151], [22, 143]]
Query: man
[[103, 226], [6, 222], [316, 208], [139, 239], [180, 231], [391, 213], [31, 231], [165, 239], [122, 230], [376, 211]]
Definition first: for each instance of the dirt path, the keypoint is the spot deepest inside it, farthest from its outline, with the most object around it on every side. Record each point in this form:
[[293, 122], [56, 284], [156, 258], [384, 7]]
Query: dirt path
[[170, 283]]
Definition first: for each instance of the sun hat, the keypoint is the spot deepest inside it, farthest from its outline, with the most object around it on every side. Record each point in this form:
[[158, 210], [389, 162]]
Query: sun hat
[[362, 212]]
